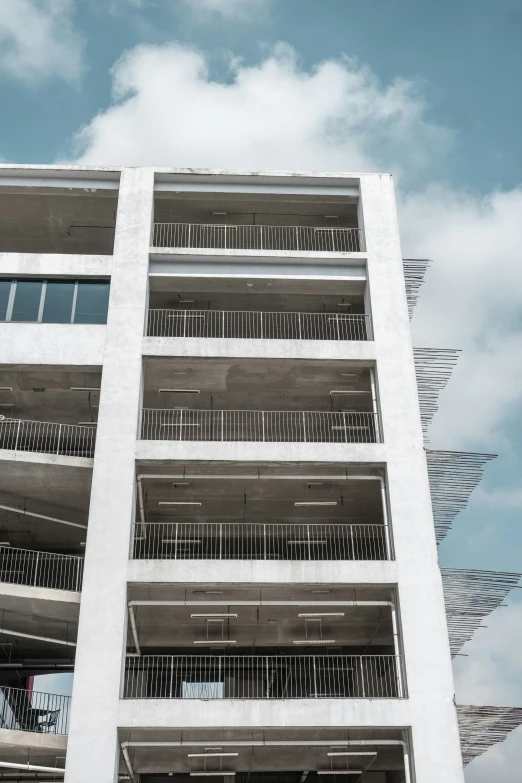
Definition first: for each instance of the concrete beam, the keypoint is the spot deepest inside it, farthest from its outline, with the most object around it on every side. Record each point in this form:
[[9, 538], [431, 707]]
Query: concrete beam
[[263, 572], [55, 265], [329, 350], [76, 345]]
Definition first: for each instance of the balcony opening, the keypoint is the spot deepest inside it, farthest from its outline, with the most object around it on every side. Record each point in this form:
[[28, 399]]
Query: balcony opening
[[226, 642], [260, 222], [277, 755], [49, 410], [57, 220], [312, 401], [268, 309], [300, 513]]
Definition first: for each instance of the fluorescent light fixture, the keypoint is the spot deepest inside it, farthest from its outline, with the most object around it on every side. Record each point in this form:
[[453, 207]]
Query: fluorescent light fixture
[[213, 774], [210, 754], [347, 391], [353, 753], [315, 503], [88, 423], [6, 388], [321, 614], [179, 503], [5, 543], [313, 641], [339, 771], [85, 388], [349, 374], [213, 642], [179, 391], [180, 484], [215, 614]]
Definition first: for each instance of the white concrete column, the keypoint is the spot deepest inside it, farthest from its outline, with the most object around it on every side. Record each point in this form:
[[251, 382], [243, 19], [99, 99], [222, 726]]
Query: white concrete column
[[92, 753], [436, 752]]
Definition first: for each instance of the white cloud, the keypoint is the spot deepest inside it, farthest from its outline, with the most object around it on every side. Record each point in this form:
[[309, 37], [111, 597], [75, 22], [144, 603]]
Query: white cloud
[[504, 498], [167, 110], [471, 301], [38, 40], [230, 9]]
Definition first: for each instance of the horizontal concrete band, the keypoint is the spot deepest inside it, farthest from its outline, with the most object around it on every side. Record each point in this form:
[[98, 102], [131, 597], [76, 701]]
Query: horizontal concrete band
[[260, 572], [329, 350], [66, 345], [242, 451], [55, 265], [237, 713]]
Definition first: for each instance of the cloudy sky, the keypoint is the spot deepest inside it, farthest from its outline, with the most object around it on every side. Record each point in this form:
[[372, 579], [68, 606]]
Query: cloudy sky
[[428, 91]]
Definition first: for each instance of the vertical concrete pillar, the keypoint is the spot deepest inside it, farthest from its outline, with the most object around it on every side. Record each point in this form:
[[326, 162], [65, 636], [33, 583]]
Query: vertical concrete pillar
[[435, 738], [92, 753]]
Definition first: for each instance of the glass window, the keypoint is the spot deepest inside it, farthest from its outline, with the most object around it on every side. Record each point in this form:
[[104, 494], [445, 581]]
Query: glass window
[[92, 303], [27, 300], [58, 302], [5, 290]]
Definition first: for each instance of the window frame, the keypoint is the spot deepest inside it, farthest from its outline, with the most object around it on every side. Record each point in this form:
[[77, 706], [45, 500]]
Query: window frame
[[12, 294]]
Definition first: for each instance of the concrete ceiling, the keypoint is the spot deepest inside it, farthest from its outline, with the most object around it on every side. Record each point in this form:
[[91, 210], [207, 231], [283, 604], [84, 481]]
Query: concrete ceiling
[[262, 500], [261, 210], [263, 384], [164, 627], [298, 758], [22, 747], [254, 293], [79, 222], [44, 394], [60, 491], [260, 627], [39, 612], [250, 300]]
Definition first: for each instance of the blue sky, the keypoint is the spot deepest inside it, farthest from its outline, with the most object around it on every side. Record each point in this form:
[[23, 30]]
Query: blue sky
[[429, 91]]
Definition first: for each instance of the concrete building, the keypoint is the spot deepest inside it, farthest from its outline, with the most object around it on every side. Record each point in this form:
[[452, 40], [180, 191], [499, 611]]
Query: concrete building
[[214, 499]]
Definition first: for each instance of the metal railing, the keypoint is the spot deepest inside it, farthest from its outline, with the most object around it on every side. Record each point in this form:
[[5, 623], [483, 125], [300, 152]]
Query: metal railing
[[257, 541], [41, 569], [270, 426], [262, 677], [46, 713], [257, 325], [225, 237], [47, 437]]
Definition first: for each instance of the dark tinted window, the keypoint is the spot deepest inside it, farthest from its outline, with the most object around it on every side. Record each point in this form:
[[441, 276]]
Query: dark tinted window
[[5, 290], [58, 303], [92, 303], [27, 300]]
